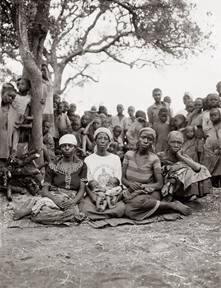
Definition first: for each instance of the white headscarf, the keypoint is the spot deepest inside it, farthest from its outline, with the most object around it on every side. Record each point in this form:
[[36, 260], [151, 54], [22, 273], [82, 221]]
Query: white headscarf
[[68, 139]]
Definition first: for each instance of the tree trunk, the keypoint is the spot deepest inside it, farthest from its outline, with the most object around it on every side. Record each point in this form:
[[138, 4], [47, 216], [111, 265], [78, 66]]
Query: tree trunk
[[58, 73], [31, 62]]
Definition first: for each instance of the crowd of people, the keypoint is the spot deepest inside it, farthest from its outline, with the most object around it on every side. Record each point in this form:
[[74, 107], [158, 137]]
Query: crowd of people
[[101, 166]]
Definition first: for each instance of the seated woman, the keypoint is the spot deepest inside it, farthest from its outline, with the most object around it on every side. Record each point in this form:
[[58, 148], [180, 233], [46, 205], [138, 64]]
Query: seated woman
[[143, 179], [184, 178], [101, 166], [64, 185]]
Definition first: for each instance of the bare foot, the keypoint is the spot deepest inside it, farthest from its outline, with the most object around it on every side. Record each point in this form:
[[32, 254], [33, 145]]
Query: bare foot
[[180, 207], [24, 210]]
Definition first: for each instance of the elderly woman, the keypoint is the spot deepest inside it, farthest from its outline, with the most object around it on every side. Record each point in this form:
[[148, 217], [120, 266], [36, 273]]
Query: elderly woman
[[101, 166], [143, 179], [184, 178], [63, 189]]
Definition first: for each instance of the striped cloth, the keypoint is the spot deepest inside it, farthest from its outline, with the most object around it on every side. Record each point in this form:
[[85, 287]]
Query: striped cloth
[[144, 174]]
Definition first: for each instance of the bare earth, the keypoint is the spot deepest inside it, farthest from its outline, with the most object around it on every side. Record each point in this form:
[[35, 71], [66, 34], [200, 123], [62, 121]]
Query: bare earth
[[184, 253]]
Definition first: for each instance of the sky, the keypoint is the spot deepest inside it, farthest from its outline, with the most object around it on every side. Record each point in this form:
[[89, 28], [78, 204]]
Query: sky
[[120, 84]]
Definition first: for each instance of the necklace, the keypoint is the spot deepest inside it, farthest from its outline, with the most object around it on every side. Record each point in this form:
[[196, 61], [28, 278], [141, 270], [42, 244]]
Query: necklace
[[60, 168]]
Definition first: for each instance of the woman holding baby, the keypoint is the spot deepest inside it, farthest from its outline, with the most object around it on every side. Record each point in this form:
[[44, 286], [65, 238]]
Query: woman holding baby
[[103, 171]]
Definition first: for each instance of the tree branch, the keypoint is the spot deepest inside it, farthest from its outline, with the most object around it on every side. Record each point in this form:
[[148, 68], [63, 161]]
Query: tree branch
[[79, 74]]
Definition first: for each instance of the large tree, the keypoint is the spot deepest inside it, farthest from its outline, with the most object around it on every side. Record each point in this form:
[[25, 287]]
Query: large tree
[[67, 32], [130, 32]]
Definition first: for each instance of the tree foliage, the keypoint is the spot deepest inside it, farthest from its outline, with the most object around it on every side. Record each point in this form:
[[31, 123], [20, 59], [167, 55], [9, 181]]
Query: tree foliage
[[132, 32]]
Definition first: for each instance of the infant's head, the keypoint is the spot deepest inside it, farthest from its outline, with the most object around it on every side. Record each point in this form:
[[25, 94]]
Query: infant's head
[[93, 184], [113, 182]]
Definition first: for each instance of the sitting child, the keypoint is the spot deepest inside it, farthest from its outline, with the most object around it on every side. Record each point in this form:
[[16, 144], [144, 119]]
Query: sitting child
[[106, 197]]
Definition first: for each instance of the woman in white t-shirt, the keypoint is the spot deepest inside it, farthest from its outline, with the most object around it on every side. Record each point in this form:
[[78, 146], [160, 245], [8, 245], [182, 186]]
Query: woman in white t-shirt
[[101, 166]]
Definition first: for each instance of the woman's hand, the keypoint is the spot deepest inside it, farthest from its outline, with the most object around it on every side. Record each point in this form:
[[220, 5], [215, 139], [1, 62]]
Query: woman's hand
[[134, 186], [179, 154], [67, 203]]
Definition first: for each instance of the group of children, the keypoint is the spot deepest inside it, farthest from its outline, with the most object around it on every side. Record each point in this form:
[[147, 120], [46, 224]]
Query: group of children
[[200, 123]]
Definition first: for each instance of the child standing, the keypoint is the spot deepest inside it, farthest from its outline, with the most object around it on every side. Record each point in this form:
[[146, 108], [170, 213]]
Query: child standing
[[8, 118], [162, 129]]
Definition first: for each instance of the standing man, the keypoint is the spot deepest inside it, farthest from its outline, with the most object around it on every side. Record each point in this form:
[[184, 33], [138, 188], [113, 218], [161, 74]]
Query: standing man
[[128, 121], [153, 110], [119, 118]]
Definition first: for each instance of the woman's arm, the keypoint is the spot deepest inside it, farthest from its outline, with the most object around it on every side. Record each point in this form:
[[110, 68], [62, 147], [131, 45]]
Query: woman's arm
[[91, 194], [157, 185], [80, 193], [131, 185], [194, 165]]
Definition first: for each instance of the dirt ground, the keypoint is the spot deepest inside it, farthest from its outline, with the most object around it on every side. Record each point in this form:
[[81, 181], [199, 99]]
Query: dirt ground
[[184, 253]]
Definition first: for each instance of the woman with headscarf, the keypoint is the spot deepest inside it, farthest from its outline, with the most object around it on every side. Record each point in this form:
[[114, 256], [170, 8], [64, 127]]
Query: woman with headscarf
[[63, 188], [183, 177], [101, 166], [143, 179]]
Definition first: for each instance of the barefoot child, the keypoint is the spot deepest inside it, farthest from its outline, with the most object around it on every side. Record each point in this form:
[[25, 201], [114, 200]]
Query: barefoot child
[[162, 129]]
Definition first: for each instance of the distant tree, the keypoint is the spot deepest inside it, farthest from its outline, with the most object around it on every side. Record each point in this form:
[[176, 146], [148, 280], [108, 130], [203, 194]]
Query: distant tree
[[125, 31]]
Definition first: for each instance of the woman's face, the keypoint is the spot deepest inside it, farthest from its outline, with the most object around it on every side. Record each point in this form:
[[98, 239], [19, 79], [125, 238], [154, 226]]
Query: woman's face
[[102, 141], [146, 140], [175, 144], [68, 150]]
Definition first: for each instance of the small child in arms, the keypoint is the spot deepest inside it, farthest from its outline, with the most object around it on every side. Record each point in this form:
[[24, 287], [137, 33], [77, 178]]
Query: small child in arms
[[106, 197]]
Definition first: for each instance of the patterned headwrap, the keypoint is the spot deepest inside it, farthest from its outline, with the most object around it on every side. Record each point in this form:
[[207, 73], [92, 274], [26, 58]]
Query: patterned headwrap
[[103, 130], [149, 131]]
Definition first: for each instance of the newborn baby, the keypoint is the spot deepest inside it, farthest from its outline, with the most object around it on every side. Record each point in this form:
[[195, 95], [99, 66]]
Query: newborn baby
[[106, 197]]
